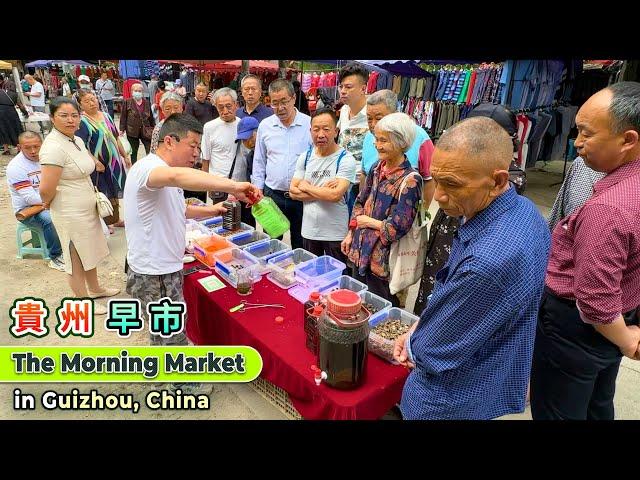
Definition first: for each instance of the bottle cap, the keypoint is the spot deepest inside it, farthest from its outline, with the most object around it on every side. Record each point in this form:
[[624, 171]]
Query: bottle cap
[[314, 296]]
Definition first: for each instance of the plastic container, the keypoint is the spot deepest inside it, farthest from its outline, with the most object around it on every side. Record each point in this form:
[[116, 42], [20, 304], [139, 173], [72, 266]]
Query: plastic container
[[381, 346], [231, 218], [342, 282], [213, 222], [244, 227], [269, 215], [282, 267], [232, 259], [205, 248], [244, 239], [194, 231], [376, 305], [313, 273], [265, 250]]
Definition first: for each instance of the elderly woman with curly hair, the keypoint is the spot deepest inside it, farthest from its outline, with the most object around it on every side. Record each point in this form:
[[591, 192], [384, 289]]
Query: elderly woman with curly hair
[[382, 213]]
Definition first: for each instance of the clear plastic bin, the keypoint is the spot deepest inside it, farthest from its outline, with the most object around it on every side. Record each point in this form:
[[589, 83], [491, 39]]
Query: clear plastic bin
[[232, 259], [194, 231], [376, 305], [282, 267], [342, 282], [213, 222], [204, 248], [265, 250], [244, 227], [381, 346], [313, 273], [244, 239]]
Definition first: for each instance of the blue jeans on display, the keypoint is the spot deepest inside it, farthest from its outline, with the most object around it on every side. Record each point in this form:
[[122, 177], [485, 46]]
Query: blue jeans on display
[[43, 221]]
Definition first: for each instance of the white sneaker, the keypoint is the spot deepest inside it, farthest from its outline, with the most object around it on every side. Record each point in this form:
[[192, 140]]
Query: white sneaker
[[57, 264]]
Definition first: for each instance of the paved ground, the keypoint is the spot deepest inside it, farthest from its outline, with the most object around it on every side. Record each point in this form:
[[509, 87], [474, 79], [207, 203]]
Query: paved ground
[[229, 401]]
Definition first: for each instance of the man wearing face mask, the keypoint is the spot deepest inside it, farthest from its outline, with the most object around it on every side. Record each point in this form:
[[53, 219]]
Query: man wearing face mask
[[471, 349]]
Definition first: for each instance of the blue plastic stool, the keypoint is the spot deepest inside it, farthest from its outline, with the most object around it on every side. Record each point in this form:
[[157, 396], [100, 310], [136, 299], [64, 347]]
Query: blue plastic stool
[[38, 246]]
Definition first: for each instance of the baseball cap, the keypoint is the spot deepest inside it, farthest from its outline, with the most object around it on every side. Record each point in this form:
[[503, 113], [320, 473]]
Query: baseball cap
[[246, 126], [503, 116], [84, 78]]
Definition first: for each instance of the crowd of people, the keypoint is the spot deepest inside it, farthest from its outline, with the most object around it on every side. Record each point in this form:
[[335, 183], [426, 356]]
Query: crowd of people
[[507, 299]]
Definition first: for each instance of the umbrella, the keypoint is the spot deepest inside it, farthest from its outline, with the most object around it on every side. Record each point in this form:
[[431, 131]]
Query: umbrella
[[5, 65]]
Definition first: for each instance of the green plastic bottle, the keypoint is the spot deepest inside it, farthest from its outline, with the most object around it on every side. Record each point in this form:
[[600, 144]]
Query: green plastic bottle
[[267, 213]]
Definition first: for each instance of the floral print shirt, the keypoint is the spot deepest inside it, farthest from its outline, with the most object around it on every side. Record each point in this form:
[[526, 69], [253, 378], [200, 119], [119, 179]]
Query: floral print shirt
[[380, 199]]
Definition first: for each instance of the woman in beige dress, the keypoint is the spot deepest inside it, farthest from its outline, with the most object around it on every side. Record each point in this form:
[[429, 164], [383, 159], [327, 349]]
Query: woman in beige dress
[[67, 189]]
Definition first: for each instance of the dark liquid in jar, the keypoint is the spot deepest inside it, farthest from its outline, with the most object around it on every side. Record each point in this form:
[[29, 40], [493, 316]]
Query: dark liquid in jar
[[344, 363]]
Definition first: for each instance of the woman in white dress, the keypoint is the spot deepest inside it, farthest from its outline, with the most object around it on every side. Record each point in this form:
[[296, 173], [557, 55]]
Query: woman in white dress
[[66, 188]]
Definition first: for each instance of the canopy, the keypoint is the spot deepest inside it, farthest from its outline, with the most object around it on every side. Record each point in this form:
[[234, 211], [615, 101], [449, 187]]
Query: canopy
[[5, 65], [46, 63], [225, 65]]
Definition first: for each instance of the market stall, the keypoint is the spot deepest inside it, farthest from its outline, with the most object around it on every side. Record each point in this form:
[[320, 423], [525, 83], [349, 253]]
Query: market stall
[[287, 363]]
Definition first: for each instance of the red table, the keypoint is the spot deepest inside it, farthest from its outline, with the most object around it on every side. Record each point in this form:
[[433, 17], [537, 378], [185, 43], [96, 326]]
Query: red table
[[287, 362]]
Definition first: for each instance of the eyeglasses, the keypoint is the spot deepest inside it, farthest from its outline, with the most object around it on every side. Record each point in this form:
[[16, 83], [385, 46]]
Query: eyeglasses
[[281, 103]]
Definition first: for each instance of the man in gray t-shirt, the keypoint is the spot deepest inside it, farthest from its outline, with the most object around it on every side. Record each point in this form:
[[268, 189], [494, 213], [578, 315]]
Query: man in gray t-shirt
[[323, 176]]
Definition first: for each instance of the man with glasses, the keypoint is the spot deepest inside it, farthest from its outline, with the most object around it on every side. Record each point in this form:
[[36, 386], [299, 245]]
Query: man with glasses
[[251, 89], [281, 139], [155, 214]]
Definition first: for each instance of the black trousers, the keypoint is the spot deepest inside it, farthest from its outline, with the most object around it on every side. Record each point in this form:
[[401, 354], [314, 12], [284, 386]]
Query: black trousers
[[135, 144], [292, 209], [574, 370], [324, 247], [377, 285]]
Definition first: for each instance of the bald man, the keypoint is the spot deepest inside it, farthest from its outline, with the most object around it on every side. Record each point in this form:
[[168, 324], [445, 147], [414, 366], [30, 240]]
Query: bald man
[[589, 316], [471, 351]]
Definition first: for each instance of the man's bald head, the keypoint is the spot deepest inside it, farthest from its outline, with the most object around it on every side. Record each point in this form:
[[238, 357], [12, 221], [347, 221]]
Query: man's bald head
[[485, 143]]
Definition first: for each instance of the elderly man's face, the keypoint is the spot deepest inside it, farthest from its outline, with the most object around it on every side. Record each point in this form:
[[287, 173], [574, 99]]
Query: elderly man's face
[[170, 107], [463, 184], [251, 141], [251, 91], [601, 149], [201, 93], [375, 113], [283, 105], [226, 107], [323, 131]]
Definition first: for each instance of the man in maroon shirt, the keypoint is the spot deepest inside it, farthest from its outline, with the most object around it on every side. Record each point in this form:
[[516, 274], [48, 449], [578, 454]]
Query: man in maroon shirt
[[588, 315]]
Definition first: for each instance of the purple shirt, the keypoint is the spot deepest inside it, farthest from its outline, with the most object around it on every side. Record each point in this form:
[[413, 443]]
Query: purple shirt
[[595, 252]]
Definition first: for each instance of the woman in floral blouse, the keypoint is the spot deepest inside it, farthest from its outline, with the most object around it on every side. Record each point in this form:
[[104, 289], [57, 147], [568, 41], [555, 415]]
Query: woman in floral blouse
[[382, 214]]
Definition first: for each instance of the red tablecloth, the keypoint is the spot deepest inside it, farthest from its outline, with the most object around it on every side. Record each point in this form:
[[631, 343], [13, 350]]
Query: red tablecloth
[[287, 362]]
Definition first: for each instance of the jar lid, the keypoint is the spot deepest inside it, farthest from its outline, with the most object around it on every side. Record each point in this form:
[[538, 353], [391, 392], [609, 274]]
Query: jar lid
[[314, 296], [344, 302]]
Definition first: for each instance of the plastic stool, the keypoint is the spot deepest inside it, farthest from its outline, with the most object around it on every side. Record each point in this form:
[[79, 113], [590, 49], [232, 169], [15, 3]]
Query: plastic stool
[[37, 242]]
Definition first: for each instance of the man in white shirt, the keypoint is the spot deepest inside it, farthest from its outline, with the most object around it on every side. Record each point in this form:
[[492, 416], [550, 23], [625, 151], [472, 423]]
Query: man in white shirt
[[353, 124], [323, 176], [155, 213], [23, 177], [106, 90], [221, 155], [36, 94]]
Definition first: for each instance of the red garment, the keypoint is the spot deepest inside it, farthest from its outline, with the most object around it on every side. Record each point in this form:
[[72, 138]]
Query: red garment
[[595, 252], [372, 82], [424, 158], [126, 87], [286, 360], [157, 102]]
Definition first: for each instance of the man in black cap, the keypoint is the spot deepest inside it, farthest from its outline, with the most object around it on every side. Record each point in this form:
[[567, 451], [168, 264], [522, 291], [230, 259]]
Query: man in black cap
[[507, 120]]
